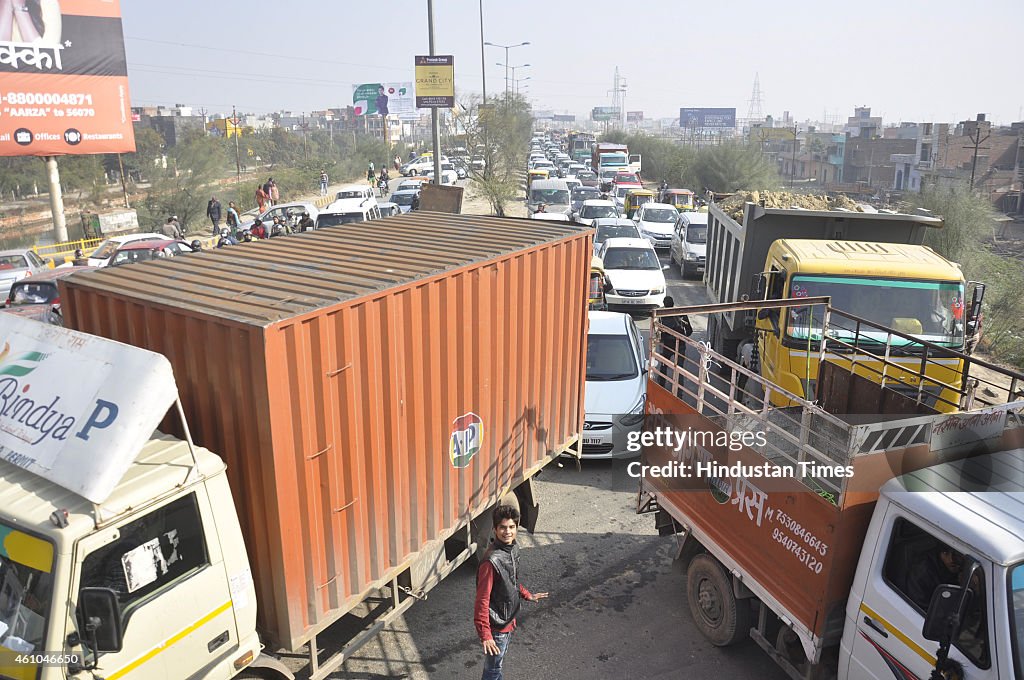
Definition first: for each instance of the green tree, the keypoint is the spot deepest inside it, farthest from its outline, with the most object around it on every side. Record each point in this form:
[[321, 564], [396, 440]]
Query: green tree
[[184, 188], [734, 166], [503, 129]]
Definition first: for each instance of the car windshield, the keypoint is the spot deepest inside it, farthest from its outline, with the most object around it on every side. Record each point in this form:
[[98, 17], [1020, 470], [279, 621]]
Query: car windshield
[[597, 211], [132, 256], [13, 262], [27, 292], [605, 232], [585, 193], [621, 192], [697, 234], [930, 310], [631, 258], [626, 177], [660, 215], [586, 174], [402, 199], [610, 357], [26, 587], [334, 219], [555, 196], [609, 174]]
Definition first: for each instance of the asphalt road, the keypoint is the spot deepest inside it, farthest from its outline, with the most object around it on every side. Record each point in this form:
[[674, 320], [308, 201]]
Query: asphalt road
[[617, 608]]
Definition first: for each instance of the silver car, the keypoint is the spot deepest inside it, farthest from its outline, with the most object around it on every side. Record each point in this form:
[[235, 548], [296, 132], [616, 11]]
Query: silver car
[[16, 265]]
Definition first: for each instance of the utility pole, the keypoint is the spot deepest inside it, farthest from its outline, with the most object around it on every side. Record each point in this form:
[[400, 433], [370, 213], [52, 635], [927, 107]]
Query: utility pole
[[124, 186], [305, 126], [792, 169], [60, 227], [238, 158], [976, 141], [435, 118]]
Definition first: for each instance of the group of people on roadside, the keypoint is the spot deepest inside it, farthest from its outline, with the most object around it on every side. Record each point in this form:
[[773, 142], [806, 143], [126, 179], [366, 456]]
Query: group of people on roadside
[[267, 193]]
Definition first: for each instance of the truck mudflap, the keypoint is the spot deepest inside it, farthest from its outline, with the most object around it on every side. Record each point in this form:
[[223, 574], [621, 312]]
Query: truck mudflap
[[786, 513]]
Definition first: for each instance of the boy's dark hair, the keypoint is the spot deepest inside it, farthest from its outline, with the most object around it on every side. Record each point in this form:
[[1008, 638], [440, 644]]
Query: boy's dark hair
[[503, 512]]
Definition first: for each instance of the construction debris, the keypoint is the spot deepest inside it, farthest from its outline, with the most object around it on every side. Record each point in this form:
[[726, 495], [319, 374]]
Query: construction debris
[[733, 205]]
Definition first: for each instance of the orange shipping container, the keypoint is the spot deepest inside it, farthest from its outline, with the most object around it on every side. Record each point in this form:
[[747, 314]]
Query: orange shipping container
[[372, 387]]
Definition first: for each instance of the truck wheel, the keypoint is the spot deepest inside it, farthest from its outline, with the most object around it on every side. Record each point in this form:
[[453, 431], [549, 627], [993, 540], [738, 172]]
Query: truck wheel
[[720, 616]]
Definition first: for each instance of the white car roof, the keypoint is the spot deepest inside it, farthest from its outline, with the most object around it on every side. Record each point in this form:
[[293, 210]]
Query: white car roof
[[607, 323], [620, 242], [351, 187], [550, 217], [613, 221], [598, 202]]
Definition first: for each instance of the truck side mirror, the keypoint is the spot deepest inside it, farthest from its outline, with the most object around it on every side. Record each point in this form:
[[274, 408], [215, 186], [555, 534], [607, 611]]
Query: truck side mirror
[[773, 316], [977, 295], [947, 607], [759, 286], [101, 619]]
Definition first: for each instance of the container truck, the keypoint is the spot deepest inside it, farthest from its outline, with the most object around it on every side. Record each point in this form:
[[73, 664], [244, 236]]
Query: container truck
[[607, 155], [871, 264], [842, 534], [578, 145], [356, 399]]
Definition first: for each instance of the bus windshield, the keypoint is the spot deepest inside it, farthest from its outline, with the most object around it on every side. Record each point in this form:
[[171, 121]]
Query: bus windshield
[[929, 310]]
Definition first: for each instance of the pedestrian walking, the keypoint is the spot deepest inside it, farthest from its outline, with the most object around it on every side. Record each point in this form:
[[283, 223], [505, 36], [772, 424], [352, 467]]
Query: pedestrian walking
[[213, 211], [261, 198], [371, 168], [233, 220], [370, 176], [274, 193], [323, 182], [499, 593], [398, 162]]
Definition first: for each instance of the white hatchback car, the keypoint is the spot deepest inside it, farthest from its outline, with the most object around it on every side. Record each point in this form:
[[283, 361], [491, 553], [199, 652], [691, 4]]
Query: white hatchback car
[[616, 387], [634, 273]]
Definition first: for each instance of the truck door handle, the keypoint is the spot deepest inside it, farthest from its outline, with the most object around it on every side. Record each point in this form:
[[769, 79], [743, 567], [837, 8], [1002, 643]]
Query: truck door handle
[[217, 641], [874, 625]]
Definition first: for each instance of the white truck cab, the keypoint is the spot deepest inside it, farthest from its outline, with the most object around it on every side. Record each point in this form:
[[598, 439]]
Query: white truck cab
[[121, 552]]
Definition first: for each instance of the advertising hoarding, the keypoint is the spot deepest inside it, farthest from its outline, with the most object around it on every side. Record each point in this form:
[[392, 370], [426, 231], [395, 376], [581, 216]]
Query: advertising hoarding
[[435, 81], [64, 79], [605, 113], [564, 118], [707, 118], [383, 99], [634, 116]]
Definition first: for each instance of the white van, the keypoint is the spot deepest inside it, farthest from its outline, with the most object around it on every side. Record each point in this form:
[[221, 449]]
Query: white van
[[689, 243]]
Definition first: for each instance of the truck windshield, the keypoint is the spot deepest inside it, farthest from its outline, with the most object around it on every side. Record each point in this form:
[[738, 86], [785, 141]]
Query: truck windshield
[[631, 258], [1017, 616], [26, 587], [930, 310]]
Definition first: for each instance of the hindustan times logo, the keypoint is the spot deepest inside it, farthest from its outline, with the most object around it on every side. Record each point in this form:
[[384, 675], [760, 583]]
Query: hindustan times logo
[[677, 440]]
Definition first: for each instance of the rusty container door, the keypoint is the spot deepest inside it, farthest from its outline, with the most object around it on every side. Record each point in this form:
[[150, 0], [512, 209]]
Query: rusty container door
[[369, 399]]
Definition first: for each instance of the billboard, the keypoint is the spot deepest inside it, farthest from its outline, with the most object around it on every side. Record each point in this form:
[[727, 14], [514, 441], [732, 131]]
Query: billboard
[[707, 118], [605, 113], [63, 79], [383, 99], [634, 116], [564, 118], [435, 81]]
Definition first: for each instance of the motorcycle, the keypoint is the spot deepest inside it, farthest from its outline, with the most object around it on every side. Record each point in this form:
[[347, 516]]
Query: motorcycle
[[382, 185]]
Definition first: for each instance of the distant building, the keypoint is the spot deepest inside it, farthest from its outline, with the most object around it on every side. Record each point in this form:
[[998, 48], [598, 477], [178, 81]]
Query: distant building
[[173, 124], [862, 124]]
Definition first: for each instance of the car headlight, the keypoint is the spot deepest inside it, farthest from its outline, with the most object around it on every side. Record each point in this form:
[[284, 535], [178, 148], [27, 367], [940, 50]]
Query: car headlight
[[691, 256], [635, 415], [657, 291]]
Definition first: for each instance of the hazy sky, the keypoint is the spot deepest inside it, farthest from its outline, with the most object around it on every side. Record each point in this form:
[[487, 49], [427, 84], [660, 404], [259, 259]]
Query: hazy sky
[[923, 60]]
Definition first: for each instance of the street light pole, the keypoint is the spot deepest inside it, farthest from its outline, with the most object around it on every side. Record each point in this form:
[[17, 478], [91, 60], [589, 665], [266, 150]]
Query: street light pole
[[434, 117], [507, 48], [483, 66]]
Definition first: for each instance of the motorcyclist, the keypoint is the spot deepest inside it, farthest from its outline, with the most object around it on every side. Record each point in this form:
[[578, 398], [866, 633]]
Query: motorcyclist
[[258, 231], [196, 245], [306, 223], [278, 228], [382, 181], [226, 239]]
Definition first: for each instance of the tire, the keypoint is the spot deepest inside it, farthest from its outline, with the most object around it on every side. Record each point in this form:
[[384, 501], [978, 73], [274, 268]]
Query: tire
[[722, 618], [684, 271], [413, 172]]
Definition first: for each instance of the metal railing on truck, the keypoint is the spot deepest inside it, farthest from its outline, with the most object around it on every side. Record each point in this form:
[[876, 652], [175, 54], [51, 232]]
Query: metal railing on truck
[[734, 397]]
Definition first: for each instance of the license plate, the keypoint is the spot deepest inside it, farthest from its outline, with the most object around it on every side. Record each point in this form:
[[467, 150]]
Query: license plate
[[589, 442], [633, 302]]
